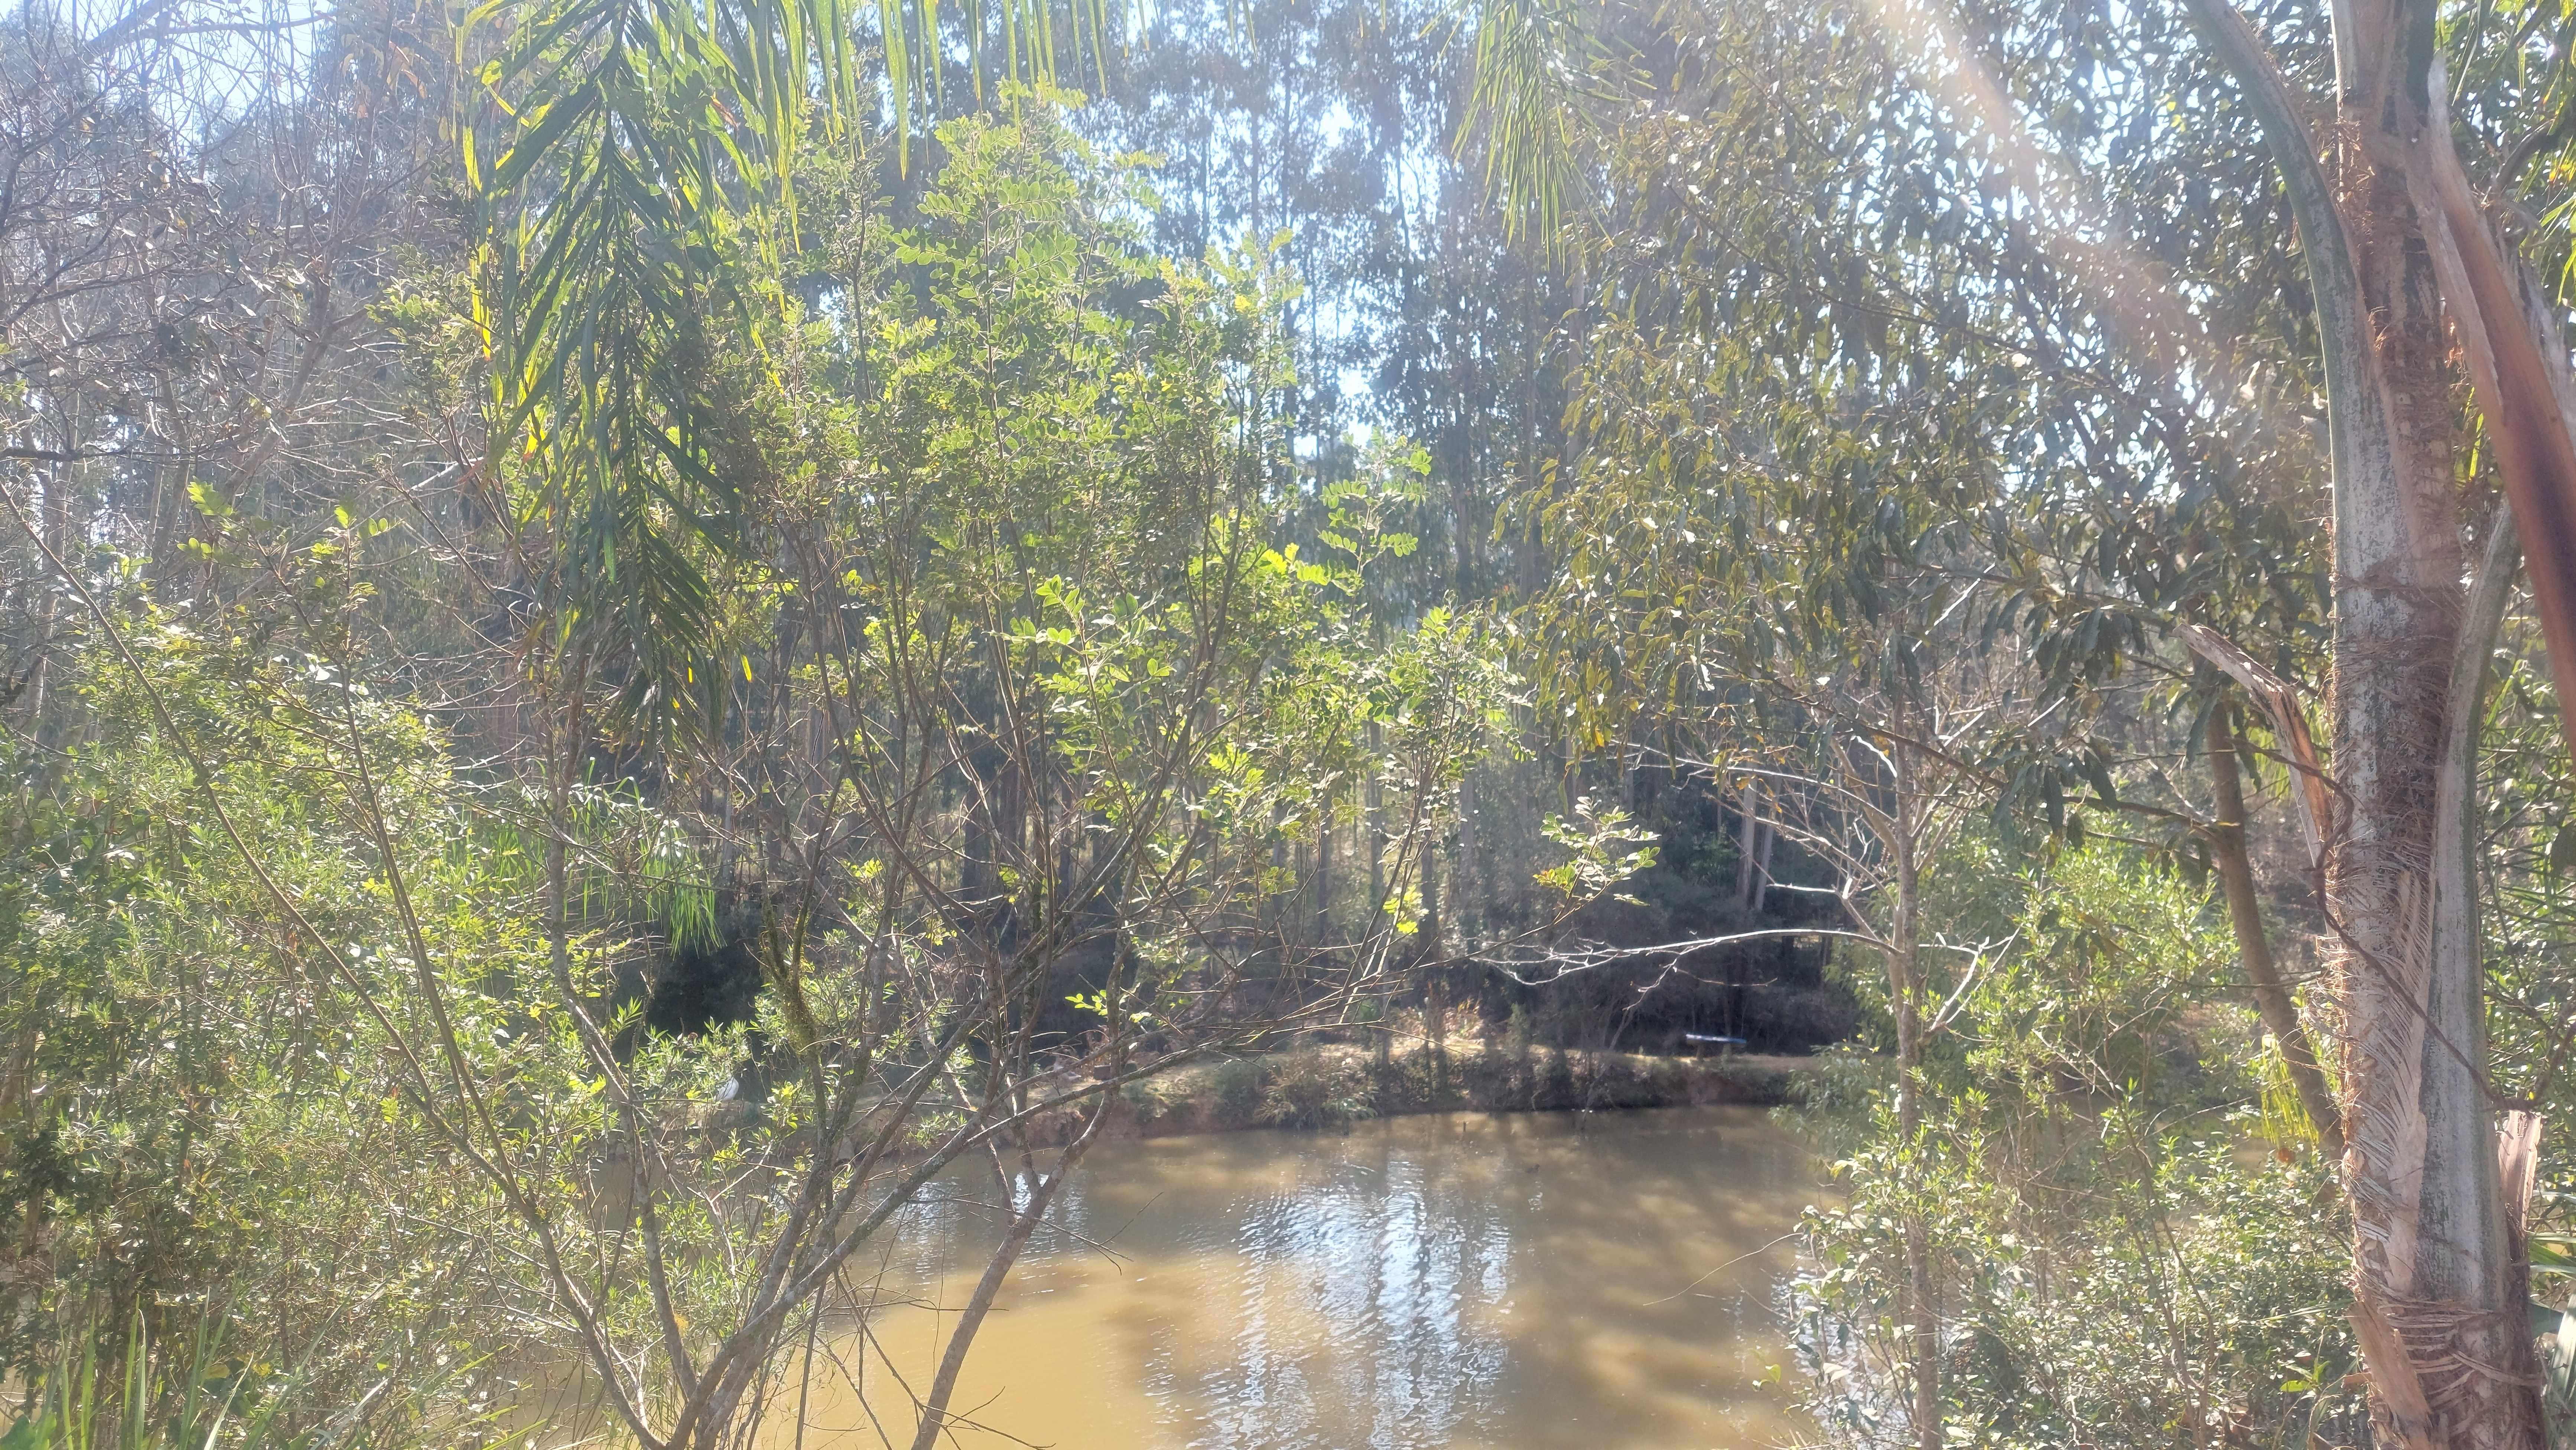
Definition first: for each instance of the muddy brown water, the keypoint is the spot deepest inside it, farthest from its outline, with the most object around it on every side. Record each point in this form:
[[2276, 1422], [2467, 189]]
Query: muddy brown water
[[1476, 1281]]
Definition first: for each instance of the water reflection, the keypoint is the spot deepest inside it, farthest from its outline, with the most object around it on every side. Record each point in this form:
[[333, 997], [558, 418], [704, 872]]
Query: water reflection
[[1518, 1282]]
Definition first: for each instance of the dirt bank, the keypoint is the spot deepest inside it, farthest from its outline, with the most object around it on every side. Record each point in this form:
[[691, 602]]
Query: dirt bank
[[1324, 1086]]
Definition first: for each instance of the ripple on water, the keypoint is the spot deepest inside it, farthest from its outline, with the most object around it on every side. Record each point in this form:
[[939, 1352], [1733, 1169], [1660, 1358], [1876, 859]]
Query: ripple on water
[[1478, 1281]]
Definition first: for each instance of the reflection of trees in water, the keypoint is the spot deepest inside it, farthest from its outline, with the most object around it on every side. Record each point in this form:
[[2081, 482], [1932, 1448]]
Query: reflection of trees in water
[[1394, 1262], [1541, 1282]]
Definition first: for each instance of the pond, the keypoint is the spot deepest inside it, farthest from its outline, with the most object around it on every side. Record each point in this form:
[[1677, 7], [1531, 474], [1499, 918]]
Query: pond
[[1480, 1281]]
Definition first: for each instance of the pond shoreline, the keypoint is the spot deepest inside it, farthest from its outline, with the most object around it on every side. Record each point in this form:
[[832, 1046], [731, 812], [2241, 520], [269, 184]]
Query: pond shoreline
[[1334, 1084]]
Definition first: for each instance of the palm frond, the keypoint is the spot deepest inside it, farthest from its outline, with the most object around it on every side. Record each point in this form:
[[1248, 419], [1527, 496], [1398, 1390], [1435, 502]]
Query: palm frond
[[1532, 81], [629, 157]]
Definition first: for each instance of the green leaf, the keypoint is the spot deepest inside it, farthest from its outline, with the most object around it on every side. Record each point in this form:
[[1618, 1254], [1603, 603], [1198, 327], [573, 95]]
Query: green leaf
[[539, 144], [2553, 1251]]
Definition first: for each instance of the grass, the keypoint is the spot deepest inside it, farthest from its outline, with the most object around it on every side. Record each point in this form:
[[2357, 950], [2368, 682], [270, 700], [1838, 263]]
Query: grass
[[161, 1400]]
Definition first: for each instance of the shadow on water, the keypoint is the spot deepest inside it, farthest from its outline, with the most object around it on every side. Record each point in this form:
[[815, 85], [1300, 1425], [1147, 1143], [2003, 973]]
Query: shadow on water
[[1515, 1282]]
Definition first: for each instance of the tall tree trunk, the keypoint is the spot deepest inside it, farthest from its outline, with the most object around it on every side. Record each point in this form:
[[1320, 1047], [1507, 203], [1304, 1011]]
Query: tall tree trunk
[[1373, 827], [1466, 884], [2447, 1339], [1324, 872], [55, 509], [2245, 913], [2437, 1306], [1747, 840], [1905, 988]]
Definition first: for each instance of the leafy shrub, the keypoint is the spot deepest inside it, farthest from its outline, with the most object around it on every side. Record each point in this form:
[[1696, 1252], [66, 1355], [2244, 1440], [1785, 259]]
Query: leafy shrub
[[2117, 1256], [2193, 1294], [1238, 1087], [1309, 1090]]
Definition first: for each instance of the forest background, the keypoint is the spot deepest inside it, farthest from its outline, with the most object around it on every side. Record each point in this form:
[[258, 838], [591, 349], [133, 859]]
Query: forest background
[[634, 628]]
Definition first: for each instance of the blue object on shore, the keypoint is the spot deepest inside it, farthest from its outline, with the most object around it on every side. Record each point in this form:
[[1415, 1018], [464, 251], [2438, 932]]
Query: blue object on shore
[[1703, 1037]]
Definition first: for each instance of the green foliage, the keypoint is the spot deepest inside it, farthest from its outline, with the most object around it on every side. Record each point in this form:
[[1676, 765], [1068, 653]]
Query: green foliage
[[885, 566], [2184, 1290], [2116, 985], [1017, 700], [195, 1086], [1816, 459], [1594, 838], [1060, 552], [1238, 1085], [2120, 1254], [1530, 63], [644, 148]]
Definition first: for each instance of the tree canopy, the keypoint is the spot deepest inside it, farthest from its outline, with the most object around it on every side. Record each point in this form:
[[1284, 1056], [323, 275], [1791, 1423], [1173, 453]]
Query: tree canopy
[[637, 633]]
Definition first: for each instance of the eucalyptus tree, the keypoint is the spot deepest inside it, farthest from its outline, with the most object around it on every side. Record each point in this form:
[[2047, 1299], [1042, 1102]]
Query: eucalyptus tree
[[2397, 246], [2402, 260], [1890, 394], [182, 315], [1786, 505]]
